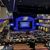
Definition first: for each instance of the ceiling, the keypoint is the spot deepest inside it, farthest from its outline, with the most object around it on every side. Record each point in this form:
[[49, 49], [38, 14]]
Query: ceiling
[[1, 4], [13, 5], [8, 4]]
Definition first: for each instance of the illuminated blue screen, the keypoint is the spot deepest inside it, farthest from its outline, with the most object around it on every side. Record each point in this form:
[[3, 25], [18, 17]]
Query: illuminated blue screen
[[24, 24]]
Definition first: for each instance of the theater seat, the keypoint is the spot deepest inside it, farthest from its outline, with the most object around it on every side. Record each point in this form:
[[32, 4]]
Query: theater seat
[[7, 48]]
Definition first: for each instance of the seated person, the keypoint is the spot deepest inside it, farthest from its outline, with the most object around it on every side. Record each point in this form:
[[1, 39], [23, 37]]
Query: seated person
[[7, 47]]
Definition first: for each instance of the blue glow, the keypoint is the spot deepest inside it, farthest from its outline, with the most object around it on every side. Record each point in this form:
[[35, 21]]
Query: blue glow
[[37, 24], [20, 18], [24, 24], [11, 24], [1, 20]]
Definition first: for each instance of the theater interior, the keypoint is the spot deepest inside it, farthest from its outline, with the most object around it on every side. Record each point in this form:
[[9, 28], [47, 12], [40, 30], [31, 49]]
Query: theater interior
[[24, 24]]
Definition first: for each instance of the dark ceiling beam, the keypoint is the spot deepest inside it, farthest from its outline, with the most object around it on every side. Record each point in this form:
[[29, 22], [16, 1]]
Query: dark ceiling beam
[[1, 4], [8, 4]]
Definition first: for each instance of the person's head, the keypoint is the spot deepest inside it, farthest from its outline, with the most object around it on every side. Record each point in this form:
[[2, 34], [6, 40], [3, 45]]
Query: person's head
[[27, 32], [6, 44]]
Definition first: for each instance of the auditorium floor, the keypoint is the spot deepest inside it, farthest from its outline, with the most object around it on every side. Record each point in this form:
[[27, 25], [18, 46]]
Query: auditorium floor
[[21, 47], [26, 47], [41, 47]]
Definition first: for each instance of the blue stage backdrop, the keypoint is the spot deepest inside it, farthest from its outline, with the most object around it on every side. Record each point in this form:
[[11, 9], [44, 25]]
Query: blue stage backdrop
[[24, 23]]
